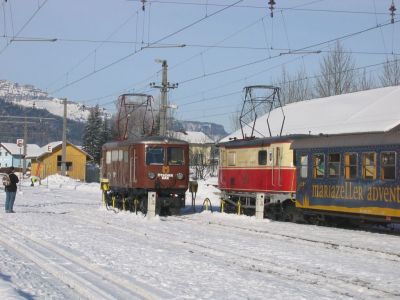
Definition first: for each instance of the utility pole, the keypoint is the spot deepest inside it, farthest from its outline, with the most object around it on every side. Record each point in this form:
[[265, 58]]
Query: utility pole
[[25, 145], [64, 141], [164, 88]]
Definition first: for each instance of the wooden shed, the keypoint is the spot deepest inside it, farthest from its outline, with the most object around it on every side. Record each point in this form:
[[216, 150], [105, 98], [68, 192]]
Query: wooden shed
[[49, 162]]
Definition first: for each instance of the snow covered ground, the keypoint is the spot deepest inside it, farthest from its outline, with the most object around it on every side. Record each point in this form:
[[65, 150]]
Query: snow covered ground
[[61, 244]]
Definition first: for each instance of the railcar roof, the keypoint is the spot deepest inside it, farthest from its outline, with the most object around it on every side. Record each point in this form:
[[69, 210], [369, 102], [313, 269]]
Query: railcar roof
[[375, 110], [146, 140], [266, 141], [348, 140]]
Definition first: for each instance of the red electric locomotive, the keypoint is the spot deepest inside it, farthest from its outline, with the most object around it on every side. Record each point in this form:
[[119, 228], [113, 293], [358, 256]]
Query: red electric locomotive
[[134, 167]]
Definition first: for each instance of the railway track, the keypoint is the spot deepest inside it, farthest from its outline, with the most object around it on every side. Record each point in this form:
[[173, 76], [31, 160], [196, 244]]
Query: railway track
[[267, 266], [391, 256], [89, 281]]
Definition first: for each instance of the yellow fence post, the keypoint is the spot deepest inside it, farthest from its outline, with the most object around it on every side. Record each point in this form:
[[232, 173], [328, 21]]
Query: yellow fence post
[[113, 201], [222, 205], [238, 207], [207, 202], [104, 186]]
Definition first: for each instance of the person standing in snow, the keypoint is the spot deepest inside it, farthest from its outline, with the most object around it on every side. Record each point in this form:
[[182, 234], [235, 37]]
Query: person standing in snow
[[11, 190]]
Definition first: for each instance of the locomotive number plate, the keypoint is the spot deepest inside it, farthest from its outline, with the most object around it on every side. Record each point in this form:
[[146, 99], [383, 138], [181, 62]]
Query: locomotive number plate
[[165, 176]]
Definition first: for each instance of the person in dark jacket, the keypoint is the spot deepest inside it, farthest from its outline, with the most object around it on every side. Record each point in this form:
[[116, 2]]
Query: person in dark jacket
[[11, 190]]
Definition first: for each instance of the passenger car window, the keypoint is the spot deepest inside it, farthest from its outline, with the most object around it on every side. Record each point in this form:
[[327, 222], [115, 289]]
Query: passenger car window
[[319, 165], [304, 166], [369, 165], [350, 166], [154, 155], [388, 165], [333, 165]]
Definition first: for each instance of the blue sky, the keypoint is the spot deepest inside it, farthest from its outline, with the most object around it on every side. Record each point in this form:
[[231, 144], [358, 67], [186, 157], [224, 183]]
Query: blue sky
[[101, 50]]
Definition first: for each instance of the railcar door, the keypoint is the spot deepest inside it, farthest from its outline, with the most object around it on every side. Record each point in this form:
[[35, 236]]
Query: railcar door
[[132, 166], [303, 172], [276, 168]]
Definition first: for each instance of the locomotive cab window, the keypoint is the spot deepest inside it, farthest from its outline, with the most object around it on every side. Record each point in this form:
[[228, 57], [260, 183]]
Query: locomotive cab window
[[318, 165], [304, 166], [333, 165], [108, 157], [154, 155], [262, 157], [114, 155], [175, 156], [350, 166], [388, 165], [231, 158], [369, 165], [126, 158]]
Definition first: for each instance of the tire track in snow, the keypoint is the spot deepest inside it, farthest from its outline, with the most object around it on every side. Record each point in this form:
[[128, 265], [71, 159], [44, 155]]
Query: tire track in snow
[[88, 280], [336, 284]]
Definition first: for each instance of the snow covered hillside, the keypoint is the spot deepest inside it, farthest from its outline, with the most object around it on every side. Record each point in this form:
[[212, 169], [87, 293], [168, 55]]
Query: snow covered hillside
[[61, 244], [29, 96]]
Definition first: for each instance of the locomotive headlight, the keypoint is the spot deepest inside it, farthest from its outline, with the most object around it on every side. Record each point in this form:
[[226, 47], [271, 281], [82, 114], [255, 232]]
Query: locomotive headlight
[[151, 175], [180, 176]]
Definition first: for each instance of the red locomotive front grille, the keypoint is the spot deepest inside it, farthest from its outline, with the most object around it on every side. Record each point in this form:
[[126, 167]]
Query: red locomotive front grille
[[258, 180]]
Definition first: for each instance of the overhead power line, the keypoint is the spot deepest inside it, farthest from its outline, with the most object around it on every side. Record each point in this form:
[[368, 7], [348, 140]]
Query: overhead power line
[[145, 47], [265, 6], [204, 99], [192, 57], [182, 45], [81, 61], [290, 52], [24, 26]]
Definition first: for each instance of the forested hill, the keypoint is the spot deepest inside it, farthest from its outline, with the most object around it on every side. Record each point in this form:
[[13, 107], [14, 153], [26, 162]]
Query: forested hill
[[40, 131]]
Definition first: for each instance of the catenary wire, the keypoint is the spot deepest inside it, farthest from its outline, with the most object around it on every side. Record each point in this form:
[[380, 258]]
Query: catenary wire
[[263, 7], [25, 25], [290, 52], [145, 47]]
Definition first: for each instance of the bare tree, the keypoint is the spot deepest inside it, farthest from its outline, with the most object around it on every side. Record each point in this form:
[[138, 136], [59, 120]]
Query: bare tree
[[365, 82], [337, 73], [391, 73], [294, 88]]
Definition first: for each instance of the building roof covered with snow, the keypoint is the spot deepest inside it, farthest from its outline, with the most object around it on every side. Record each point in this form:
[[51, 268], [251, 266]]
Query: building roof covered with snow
[[193, 137], [376, 110], [13, 149]]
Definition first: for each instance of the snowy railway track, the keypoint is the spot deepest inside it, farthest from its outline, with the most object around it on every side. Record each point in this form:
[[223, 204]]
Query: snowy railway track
[[337, 283], [87, 280], [391, 256]]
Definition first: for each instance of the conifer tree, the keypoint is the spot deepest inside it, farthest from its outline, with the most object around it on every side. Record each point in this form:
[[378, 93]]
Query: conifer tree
[[93, 137]]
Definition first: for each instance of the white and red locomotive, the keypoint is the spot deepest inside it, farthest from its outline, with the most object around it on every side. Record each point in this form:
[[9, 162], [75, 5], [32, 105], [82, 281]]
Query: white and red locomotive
[[263, 165]]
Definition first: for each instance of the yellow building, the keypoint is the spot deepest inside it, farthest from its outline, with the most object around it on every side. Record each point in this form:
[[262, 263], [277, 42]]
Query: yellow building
[[49, 161]]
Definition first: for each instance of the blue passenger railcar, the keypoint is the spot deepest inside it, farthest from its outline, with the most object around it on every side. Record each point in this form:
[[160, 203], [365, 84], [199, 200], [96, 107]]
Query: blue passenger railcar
[[346, 177]]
